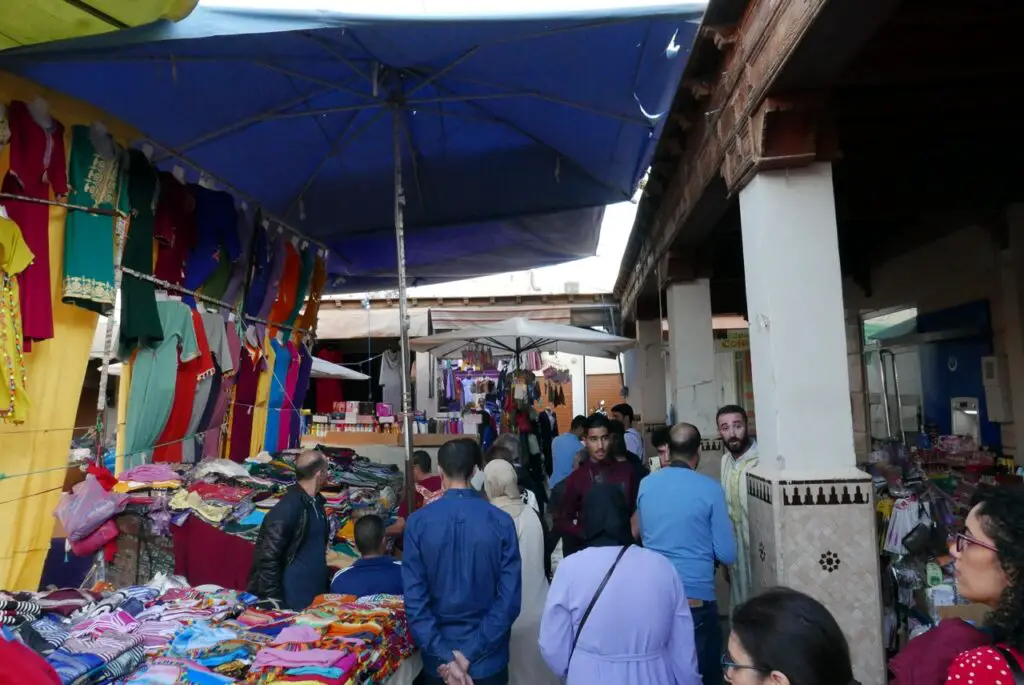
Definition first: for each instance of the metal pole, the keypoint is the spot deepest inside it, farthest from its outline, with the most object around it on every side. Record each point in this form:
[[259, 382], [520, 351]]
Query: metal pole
[[403, 309], [885, 394], [120, 238], [899, 398]]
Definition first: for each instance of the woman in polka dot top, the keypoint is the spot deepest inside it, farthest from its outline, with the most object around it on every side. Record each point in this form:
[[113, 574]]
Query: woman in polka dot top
[[989, 563]]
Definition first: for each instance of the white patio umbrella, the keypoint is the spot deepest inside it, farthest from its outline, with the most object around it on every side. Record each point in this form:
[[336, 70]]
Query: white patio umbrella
[[517, 335], [320, 369]]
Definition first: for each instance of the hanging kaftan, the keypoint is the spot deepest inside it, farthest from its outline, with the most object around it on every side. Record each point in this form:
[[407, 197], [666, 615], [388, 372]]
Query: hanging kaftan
[[154, 376], [174, 228], [278, 395], [15, 256], [98, 180], [246, 389], [192, 373], [289, 409], [38, 164], [216, 241], [307, 257], [288, 289], [140, 321]]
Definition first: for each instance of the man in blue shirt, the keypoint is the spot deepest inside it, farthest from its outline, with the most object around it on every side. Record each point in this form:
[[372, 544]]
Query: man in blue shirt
[[682, 514], [564, 449], [461, 572], [375, 573]]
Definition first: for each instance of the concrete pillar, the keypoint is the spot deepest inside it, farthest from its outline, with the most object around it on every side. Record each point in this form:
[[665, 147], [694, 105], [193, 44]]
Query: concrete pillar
[[859, 396], [692, 363], [1011, 276], [692, 354], [811, 521], [648, 394]]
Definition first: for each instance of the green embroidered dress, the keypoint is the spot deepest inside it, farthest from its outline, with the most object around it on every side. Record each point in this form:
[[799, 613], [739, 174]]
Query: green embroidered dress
[[96, 177]]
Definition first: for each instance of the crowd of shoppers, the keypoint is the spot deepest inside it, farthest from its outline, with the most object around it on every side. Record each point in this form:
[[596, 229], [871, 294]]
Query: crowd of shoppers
[[633, 602]]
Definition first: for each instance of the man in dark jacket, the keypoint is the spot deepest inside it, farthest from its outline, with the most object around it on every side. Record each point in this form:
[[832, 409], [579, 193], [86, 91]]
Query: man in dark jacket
[[289, 563]]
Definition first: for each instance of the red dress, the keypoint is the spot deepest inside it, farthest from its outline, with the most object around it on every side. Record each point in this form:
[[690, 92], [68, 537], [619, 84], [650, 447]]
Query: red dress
[[246, 388], [329, 390], [983, 666], [174, 228], [38, 163], [189, 375]]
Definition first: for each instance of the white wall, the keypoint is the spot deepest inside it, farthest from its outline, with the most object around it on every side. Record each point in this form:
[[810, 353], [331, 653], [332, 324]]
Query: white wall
[[960, 267]]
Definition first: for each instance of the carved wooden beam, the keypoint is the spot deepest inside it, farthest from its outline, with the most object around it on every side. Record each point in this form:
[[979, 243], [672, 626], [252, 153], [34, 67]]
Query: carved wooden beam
[[782, 133], [766, 37]]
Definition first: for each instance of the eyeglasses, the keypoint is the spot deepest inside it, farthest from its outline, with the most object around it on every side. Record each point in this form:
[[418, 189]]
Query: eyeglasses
[[729, 665], [963, 541]]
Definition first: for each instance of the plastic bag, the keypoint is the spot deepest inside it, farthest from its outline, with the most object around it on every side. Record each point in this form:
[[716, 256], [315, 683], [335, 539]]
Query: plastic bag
[[87, 507]]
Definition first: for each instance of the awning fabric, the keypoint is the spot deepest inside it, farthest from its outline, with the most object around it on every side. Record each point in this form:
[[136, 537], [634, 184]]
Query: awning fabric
[[41, 21], [347, 324], [513, 134], [518, 335], [457, 318]]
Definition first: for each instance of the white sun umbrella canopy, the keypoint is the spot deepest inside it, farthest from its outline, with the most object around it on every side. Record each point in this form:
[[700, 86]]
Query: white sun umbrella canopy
[[517, 335], [320, 369]]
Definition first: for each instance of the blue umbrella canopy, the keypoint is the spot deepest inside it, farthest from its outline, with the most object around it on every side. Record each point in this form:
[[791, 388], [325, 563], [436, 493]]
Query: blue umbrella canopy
[[513, 134]]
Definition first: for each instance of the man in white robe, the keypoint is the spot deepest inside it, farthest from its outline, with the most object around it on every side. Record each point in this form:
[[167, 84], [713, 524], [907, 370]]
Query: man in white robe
[[739, 457]]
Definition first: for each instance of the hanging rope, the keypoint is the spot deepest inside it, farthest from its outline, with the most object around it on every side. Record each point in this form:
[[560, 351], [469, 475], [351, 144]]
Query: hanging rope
[[66, 205], [209, 300]]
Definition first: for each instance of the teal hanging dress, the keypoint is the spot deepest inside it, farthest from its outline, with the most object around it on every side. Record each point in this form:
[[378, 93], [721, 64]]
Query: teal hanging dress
[[96, 178]]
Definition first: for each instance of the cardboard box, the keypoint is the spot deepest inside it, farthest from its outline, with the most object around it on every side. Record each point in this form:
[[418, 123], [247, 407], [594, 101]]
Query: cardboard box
[[973, 613]]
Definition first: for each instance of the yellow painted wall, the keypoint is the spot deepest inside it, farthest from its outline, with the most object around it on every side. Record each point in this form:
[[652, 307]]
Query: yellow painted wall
[[33, 455]]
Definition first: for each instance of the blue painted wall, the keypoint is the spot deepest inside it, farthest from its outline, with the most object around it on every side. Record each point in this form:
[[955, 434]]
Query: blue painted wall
[[953, 368]]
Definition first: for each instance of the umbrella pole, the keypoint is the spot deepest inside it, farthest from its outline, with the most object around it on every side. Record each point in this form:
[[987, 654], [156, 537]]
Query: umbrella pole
[[403, 311]]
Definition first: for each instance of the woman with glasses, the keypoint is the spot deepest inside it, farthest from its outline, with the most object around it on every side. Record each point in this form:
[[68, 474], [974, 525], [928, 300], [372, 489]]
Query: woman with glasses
[[989, 566], [784, 637]]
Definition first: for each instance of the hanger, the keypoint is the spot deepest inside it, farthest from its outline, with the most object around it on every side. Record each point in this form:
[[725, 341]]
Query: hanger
[[40, 111]]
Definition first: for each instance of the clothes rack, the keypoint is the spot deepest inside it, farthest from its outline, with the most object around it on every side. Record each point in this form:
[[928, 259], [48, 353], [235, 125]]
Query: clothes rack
[[66, 205], [209, 300]]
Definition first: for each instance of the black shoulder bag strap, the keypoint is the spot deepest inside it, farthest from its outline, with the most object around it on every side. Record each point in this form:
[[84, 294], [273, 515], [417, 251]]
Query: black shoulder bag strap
[[1011, 661], [590, 607]]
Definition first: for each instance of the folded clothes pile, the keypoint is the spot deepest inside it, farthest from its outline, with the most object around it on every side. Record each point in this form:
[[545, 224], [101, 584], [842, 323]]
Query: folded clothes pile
[[167, 633]]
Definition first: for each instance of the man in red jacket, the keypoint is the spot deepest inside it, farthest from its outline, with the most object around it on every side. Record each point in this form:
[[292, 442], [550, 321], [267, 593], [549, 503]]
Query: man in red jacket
[[599, 468]]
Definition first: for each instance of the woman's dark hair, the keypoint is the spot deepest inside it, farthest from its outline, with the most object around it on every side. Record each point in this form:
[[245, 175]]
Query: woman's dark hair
[[616, 427], [1002, 519], [786, 631], [606, 516], [499, 452]]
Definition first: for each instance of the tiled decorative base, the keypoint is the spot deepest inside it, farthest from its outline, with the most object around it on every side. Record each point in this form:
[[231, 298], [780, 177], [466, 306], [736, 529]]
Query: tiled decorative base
[[819, 537]]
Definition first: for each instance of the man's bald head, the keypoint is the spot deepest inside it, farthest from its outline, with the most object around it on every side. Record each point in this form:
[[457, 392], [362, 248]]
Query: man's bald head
[[684, 443], [309, 465]]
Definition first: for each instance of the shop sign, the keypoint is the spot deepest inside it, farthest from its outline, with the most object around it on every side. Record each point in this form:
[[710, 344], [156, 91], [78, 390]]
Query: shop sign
[[735, 341]]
